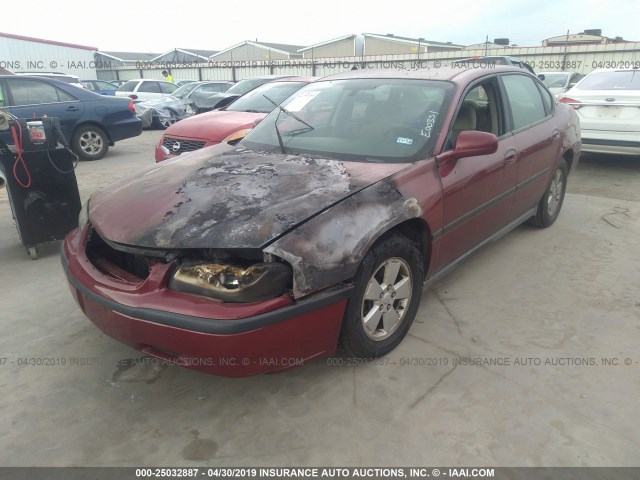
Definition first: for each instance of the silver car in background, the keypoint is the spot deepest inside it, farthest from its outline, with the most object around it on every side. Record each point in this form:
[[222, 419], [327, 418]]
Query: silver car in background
[[560, 82]]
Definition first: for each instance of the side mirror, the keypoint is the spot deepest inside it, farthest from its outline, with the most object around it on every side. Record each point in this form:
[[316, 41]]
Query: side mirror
[[470, 143]]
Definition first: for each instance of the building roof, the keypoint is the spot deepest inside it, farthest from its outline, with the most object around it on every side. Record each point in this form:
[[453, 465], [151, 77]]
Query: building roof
[[327, 42], [276, 47], [284, 47], [391, 37], [128, 56], [583, 37], [47, 42], [479, 46], [203, 54]]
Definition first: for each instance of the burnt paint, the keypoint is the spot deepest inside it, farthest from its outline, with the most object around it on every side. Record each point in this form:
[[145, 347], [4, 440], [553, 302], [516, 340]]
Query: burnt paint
[[225, 197], [328, 249]]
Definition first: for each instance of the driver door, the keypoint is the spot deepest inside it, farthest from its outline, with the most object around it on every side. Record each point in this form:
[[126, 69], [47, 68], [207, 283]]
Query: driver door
[[478, 191]]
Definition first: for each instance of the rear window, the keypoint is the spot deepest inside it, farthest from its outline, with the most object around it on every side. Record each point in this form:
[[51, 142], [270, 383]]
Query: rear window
[[614, 80], [128, 86]]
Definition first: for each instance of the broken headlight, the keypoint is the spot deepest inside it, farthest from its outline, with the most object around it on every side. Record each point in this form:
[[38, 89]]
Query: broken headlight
[[231, 283]]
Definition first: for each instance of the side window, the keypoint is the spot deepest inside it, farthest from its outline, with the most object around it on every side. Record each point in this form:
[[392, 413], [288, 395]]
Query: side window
[[149, 87], [168, 87], [547, 99], [525, 100], [212, 88], [105, 86], [33, 92], [64, 96], [2, 100], [480, 111], [575, 78]]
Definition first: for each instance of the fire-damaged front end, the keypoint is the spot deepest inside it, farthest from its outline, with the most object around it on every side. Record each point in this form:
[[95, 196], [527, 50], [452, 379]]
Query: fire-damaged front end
[[231, 261]]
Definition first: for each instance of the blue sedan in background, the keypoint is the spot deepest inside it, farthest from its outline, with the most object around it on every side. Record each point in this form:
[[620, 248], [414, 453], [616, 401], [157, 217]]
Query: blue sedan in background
[[90, 121]]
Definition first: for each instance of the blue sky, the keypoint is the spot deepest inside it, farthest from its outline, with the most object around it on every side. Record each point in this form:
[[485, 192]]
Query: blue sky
[[144, 25]]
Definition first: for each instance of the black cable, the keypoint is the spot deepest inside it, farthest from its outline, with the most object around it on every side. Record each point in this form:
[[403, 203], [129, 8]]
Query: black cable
[[75, 164]]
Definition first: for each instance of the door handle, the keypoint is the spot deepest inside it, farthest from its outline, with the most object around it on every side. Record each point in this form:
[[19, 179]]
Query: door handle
[[511, 155], [555, 133], [72, 109]]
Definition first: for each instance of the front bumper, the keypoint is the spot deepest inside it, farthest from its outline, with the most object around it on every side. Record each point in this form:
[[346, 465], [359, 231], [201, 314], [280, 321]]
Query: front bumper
[[200, 333]]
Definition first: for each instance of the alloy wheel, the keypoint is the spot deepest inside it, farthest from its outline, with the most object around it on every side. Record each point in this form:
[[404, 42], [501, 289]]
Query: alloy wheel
[[386, 299]]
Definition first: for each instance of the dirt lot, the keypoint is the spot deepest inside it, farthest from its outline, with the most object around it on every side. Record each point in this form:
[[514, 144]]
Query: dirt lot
[[526, 355]]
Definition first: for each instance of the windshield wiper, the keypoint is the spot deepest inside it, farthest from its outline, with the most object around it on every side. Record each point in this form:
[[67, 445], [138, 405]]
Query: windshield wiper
[[280, 142], [292, 115]]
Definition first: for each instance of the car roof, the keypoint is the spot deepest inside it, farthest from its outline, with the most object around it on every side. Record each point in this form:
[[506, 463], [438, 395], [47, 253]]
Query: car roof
[[444, 72], [296, 79], [615, 70], [146, 80], [209, 81], [37, 77]]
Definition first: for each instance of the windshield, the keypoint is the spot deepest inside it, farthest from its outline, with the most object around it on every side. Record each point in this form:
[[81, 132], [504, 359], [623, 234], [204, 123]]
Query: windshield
[[366, 120], [554, 80], [243, 86], [184, 90], [612, 80], [255, 101]]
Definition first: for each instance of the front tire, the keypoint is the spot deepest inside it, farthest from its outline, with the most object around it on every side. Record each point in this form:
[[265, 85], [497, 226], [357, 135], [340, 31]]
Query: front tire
[[551, 201], [90, 143], [162, 123], [385, 300]]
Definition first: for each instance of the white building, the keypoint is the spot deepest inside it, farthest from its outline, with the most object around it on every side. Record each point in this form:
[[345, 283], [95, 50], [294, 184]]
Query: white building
[[27, 54]]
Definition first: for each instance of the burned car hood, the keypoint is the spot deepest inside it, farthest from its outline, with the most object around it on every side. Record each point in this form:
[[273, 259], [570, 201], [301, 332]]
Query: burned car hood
[[225, 197]]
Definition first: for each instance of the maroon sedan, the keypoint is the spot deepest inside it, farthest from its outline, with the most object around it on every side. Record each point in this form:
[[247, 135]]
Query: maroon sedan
[[321, 226], [228, 124]]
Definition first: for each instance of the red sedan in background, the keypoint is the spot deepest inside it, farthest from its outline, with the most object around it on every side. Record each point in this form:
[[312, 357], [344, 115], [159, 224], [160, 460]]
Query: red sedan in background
[[228, 124], [321, 226]]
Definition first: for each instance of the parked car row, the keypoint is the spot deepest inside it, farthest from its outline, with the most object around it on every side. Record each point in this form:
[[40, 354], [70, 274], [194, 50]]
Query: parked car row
[[609, 113], [187, 100], [318, 229], [229, 123]]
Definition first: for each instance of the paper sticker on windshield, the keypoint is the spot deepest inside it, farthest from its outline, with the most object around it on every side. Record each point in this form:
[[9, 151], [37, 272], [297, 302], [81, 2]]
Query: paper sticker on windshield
[[431, 120], [301, 100], [405, 141]]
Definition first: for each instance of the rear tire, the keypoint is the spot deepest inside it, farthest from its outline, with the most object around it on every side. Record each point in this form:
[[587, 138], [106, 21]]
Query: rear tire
[[551, 201], [90, 143], [385, 300]]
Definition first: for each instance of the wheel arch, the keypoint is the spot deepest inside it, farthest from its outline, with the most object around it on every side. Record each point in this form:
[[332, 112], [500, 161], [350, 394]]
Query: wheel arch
[[569, 157], [417, 231]]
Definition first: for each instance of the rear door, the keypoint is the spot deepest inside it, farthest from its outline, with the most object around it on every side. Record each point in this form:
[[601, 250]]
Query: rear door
[[30, 98], [538, 138]]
